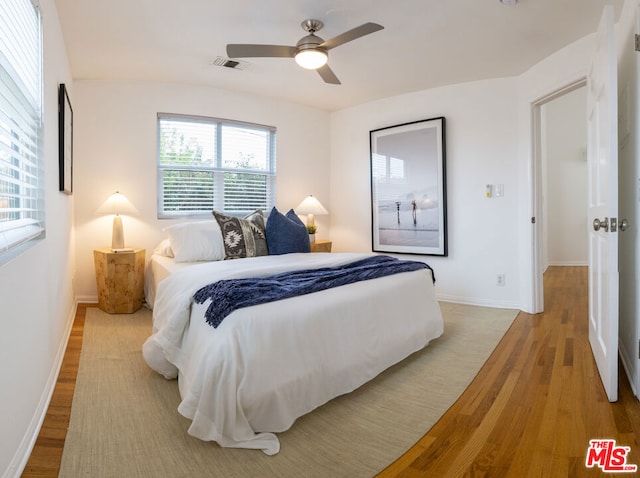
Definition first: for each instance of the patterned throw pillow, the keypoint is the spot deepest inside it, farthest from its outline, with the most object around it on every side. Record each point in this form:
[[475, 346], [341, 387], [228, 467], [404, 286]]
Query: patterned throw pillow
[[258, 227], [242, 237]]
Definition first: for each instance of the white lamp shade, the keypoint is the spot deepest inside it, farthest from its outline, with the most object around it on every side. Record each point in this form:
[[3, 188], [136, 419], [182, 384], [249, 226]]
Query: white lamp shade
[[311, 205], [117, 203]]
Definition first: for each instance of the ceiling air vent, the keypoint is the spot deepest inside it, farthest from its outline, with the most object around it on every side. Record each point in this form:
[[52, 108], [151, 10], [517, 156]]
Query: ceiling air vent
[[229, 63]]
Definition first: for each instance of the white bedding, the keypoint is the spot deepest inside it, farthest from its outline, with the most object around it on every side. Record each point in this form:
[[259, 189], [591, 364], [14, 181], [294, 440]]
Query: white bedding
[[159, 268], [267, 365]]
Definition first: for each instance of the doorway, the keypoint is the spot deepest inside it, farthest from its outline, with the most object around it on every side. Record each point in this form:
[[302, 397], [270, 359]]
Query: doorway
[[560, 176], [564, 186]]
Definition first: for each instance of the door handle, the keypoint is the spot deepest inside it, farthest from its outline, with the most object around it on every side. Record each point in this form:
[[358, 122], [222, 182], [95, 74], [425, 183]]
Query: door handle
[[624, 225], [604, 224]]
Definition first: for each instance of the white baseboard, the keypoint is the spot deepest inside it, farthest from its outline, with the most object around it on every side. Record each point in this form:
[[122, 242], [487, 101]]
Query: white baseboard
[[627, 364], [568, 263], [498, 304], [21, 457], [86, 299]]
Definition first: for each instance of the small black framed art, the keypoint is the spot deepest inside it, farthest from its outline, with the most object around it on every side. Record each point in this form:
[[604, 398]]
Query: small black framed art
[[65, 140]]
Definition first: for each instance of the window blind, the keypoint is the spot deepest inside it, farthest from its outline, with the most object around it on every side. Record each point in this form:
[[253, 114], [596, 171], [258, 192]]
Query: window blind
[[208, 163], [21, 170]]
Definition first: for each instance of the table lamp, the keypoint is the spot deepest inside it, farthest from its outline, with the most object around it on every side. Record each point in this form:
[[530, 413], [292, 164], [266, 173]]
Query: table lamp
[[311, 207], [117, 204]]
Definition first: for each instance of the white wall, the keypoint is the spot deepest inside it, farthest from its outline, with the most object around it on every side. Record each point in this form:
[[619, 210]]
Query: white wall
[[489, 138], [36, 287], [481, 149], [565, 201], [489, 141], [116, 149]]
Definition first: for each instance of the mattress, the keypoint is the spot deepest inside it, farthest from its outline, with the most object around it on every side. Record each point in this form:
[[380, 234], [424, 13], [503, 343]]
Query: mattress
[[267, 365], [159, 268]]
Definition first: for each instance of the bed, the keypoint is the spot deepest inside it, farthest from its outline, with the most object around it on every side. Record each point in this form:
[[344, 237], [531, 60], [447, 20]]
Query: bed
[[266, 365]]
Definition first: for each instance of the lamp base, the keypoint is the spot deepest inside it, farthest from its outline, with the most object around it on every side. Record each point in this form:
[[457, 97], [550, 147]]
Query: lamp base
[[117, 237], [311, 220]]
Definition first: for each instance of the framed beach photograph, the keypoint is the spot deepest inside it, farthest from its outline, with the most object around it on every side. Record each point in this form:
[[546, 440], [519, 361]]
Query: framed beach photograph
[[408, 188], [65, 140]]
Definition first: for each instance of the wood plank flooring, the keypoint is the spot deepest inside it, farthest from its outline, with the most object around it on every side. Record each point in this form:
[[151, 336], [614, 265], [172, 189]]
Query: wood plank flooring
[[531, 410], [536, 403], [47, 451]]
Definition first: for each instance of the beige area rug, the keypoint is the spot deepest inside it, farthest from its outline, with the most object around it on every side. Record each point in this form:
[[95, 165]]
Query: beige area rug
[[124, 421]]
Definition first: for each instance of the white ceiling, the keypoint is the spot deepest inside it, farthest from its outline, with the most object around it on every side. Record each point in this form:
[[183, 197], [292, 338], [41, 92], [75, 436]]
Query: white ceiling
[[425, 43]]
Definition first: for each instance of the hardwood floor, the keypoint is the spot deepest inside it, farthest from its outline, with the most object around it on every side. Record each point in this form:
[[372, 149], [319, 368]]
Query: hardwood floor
[[536, 403], [47, 452], [531, 410]]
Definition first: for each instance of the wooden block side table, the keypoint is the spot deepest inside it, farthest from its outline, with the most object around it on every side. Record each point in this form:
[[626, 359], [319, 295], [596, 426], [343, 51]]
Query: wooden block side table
[[120, 280], [321, 246]]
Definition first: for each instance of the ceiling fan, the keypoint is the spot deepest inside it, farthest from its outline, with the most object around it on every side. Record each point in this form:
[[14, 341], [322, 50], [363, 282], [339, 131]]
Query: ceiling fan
[[311, 52]]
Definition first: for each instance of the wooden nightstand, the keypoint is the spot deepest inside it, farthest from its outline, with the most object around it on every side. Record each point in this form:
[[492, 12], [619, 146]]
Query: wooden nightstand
[[120, 280], [321, 246]]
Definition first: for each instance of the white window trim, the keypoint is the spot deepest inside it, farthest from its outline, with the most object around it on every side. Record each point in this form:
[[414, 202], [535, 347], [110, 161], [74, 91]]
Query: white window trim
[[217, 169], [22, 218]]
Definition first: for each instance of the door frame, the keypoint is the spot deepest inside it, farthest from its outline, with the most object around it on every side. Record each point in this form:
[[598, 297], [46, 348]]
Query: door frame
[[537, 179]]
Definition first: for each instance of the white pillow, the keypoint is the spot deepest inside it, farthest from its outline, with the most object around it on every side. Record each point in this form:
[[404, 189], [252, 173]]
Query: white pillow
[[196, 241], [164, 248]]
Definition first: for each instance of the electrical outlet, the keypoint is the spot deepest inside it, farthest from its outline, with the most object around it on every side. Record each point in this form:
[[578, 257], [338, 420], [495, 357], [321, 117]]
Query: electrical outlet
[[500, 280]]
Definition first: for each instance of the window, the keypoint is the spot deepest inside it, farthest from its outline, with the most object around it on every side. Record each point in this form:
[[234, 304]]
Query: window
[[207, 164], [389, 175], [21, 170]]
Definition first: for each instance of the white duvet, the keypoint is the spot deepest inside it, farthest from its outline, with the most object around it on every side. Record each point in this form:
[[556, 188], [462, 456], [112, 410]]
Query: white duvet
[[269, 364]]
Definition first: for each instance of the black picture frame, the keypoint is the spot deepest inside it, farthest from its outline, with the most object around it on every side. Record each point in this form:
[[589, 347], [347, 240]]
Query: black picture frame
[[65, 140], [408, 188]]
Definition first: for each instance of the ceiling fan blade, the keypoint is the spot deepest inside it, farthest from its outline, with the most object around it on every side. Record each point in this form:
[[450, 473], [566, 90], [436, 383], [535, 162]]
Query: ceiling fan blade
[[352, 34], [236, 50], [328, 75]]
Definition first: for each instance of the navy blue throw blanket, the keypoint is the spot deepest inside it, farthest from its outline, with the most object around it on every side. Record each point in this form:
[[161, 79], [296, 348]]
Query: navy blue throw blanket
[[231, 294]]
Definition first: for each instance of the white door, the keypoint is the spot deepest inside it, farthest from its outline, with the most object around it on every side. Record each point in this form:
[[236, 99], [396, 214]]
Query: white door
[[602, 116], [636, 379]]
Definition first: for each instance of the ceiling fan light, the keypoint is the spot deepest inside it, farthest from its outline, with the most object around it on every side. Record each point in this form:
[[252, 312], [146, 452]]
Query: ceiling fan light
[[311, 59]]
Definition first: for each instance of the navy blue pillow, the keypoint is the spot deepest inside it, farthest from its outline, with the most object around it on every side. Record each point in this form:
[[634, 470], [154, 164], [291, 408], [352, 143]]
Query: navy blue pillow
[[291, 214], [286, 234]]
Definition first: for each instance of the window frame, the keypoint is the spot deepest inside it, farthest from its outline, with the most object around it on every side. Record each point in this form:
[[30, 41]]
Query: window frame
[[21, 75], [217, 169]]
